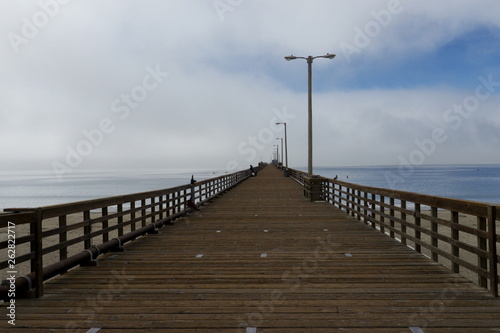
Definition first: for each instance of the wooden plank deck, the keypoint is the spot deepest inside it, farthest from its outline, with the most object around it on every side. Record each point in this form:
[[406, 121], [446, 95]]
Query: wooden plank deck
[[261, 258]]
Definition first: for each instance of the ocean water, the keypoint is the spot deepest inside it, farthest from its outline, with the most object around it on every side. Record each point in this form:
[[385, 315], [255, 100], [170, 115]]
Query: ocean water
[[22, 189], [468, 182]]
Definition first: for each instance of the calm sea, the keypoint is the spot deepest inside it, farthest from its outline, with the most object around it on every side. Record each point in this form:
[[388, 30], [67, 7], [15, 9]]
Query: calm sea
[[35, 189], [20, 189], [468, 182]]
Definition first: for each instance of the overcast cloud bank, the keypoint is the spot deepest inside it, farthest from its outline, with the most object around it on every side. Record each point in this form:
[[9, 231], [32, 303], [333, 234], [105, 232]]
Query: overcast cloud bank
[[78, 88]]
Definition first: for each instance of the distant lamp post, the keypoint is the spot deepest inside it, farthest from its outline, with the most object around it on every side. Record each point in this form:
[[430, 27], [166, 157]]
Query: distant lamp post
[[309, 63], [281, 151], [277, 154], [286, 147]]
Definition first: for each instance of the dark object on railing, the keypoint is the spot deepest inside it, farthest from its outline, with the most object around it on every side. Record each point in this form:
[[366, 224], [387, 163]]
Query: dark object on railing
[[253, 173], [190, 202], [148, 210]]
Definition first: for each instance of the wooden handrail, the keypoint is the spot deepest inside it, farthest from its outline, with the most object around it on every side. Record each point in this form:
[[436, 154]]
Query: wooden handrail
[[412, 219]]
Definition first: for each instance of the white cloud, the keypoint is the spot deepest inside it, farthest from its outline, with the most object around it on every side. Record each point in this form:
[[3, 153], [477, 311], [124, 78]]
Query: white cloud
[[225, 79]]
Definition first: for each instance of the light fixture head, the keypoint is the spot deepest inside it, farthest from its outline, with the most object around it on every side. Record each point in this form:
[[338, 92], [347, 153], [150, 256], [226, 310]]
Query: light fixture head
[[329, 56], [290, 57]]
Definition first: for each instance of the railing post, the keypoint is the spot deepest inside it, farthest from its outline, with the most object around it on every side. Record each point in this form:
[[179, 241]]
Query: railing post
[[313, 188], [63, 252], [105, 236], [382, 210], [434, 228], [167, 205], [348, 200], [38, 249], [195, 195], [492, 232], [132, 215], [334, 195], [365, 205], [353, 202], [153, 209], [418, 235], [358, 204], [455, 250], [87, 230], [120, 220], [373, 209], [143, 212], [482, 243], [160, 207], [391, 212], [403, 217]]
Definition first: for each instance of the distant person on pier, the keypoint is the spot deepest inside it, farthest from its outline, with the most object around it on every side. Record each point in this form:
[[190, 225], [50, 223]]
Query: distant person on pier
[[252, 171]]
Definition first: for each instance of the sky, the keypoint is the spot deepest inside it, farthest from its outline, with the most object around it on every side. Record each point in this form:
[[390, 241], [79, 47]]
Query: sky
[[201, 84]]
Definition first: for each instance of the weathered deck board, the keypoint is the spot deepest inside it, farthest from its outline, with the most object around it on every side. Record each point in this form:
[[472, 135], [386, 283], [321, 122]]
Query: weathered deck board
[[270, 260]]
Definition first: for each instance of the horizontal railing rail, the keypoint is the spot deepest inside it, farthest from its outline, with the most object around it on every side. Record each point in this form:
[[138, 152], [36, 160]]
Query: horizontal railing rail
[[47, 241], [459, 234]]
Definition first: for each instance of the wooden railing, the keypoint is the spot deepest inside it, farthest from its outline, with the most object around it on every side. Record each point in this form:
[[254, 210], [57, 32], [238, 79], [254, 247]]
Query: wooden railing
[[50, 240], [461, 235], [297, 175]]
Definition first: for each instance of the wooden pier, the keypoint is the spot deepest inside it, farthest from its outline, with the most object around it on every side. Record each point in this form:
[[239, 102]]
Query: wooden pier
[[261, 258]]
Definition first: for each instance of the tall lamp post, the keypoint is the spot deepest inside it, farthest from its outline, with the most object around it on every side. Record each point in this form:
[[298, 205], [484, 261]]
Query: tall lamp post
[[286, 147], [310, 60]]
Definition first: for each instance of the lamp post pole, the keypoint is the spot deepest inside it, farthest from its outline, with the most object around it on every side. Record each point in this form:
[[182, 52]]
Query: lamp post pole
[[309, 60], [282, 162], [278, 153], [286, 146], [309, 117]]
